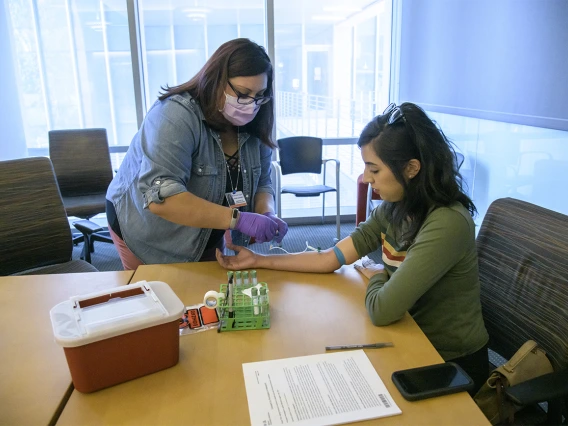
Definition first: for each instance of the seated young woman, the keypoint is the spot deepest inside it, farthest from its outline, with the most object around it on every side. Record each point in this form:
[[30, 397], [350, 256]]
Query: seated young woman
[[426, 233]]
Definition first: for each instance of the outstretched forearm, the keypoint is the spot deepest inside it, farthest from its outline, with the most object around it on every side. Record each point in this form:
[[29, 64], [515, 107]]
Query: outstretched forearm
[[312, 261], [322, 262]]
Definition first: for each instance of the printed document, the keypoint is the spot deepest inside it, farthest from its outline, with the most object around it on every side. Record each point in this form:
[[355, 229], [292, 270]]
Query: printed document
[[326, 389]]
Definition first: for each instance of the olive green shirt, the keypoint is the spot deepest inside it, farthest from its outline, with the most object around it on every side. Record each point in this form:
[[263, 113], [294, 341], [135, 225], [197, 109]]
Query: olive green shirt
[[435, 278]]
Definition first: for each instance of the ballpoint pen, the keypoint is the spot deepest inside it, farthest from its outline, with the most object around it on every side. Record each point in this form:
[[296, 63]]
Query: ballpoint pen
[[230, 297], [222, 314], [228, 302], [365, 346]]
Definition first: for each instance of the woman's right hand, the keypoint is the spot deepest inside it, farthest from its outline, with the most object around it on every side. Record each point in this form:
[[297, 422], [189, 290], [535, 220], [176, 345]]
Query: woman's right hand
[[259, 226], [244, 259]]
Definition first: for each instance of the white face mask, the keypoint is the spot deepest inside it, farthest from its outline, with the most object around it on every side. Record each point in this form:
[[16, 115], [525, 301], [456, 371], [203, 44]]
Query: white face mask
[[238, 114]]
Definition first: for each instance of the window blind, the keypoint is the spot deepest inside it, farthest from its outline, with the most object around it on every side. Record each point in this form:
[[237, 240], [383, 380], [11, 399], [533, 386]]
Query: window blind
[[503, 60]]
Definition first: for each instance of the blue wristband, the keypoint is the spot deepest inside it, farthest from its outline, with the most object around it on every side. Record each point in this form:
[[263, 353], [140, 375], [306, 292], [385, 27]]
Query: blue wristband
[[339, 256]]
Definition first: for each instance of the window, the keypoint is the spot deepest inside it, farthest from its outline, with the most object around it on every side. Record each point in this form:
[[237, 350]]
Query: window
[[332, 77], [73, 67], [177, 38]]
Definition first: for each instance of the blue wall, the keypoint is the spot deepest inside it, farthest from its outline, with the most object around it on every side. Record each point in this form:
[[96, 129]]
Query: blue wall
[[510, 160], [502, 60]]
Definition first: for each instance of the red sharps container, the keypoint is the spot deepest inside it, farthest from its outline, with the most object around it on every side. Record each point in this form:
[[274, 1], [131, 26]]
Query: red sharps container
[[119, 334]]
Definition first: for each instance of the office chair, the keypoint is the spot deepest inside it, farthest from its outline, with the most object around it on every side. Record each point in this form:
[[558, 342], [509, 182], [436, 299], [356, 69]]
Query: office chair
[[304, 154], [367, 200], [81, 161], [523, 272], [34, 231]]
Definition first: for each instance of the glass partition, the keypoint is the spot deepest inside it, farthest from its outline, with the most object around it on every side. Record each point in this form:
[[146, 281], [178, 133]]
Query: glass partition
[[73, 67], [333, 71], [177, 37]]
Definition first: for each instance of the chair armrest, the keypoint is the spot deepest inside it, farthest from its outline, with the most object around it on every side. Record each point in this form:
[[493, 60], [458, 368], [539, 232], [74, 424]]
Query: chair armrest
[[277, 175], [276, 165], [543, 388], [103, 236], [87, 227], [369, 199], [277, 185], [337, 164]]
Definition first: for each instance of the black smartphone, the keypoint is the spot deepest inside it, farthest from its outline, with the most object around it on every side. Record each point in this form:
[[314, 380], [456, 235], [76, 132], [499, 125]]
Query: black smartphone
[[432, 380]]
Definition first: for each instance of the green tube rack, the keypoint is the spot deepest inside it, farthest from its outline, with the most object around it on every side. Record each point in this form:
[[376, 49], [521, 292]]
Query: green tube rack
[[244, 316]]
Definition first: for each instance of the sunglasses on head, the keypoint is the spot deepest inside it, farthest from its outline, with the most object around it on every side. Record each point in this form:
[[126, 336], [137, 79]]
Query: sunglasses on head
[[394, 114]]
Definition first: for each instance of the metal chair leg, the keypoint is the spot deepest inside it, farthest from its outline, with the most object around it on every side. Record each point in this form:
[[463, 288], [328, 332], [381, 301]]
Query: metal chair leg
[[86, 253], [278, 186], [323, 209], [337, 187], [338, 217]]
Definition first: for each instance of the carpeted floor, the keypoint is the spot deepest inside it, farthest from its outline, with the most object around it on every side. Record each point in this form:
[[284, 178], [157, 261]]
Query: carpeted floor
[[105, 257]]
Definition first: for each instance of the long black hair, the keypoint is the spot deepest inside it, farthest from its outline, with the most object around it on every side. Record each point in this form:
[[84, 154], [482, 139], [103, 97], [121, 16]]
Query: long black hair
[[437, 184], [240, 57]]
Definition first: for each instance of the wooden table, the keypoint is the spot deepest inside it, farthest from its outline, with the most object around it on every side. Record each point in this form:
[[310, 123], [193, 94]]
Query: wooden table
[[34, 377], [308, 312]]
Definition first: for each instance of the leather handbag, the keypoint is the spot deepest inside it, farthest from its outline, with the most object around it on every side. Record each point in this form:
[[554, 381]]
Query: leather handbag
[[529, 361]]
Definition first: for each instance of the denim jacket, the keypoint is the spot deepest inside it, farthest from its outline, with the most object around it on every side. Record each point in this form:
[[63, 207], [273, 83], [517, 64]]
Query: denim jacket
[[176, 151]]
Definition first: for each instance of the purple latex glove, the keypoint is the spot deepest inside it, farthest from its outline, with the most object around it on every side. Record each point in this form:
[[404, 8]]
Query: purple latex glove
[[256, 225], [282, 226]]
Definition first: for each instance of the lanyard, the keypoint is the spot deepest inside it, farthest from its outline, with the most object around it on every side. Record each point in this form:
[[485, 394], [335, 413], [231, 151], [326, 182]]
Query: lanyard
[[234, 187], [236, 184]]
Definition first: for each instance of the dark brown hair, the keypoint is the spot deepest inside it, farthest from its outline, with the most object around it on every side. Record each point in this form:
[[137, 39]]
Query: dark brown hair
[[437, 184], [240, 57]]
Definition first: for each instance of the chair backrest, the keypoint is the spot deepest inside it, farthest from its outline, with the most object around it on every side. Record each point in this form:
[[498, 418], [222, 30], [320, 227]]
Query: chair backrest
[[300, 154], [81, 161], [523, 270], [34, 230]]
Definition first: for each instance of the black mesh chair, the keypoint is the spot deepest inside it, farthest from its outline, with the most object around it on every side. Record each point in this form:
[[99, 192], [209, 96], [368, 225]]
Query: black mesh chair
[[34, 231], [523, 271], [81, 161], [303, 154]]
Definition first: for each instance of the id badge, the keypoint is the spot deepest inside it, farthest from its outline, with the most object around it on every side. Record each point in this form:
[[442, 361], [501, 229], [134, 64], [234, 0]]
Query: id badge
[[236, 199]]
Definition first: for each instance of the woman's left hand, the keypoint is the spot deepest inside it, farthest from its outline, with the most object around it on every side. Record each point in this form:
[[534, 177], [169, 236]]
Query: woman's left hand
[[282, 226], [244, 259]]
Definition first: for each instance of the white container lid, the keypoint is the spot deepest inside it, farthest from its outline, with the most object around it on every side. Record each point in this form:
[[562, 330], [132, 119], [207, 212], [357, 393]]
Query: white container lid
[[97, 316]]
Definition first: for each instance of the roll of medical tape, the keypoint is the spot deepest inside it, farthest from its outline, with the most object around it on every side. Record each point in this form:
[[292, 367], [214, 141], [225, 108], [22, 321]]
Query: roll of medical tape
[[211, 299]]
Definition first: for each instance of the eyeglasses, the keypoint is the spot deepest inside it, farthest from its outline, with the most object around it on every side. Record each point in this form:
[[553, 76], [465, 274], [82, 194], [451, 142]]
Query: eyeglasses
[[247, 100], [394, 114]]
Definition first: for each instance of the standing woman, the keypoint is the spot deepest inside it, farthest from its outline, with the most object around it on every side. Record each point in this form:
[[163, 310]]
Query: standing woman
[[199, 165], [425, 230]]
